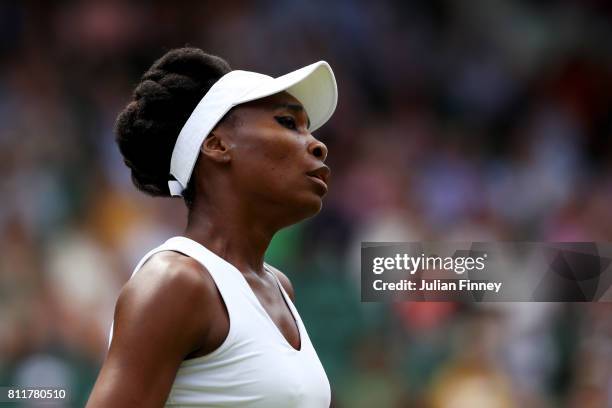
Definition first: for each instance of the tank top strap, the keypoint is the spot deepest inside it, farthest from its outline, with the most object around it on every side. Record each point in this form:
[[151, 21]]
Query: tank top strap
[[226, 281], [163, 247], [247, 312], [224, 275]]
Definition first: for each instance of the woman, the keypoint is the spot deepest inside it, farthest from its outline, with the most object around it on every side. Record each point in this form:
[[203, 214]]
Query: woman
[[205, 322]]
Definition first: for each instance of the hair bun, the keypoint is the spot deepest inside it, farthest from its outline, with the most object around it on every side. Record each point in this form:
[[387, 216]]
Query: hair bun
[[147, 128]]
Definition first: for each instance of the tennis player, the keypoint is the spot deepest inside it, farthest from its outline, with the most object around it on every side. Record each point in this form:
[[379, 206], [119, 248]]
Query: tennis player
[[203, 321]]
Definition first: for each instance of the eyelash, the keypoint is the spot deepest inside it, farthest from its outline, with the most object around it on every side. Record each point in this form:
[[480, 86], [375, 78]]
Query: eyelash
[[287, 121]]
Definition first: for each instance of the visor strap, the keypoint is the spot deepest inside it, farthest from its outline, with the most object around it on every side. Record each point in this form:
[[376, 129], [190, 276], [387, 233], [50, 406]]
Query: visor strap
[[176, 189]]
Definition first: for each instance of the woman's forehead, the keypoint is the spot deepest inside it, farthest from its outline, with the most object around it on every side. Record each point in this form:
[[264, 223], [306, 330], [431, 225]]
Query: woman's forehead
[[282, 100]]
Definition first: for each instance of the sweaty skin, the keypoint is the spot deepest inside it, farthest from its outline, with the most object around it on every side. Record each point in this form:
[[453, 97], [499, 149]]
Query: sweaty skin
[[259, 170]]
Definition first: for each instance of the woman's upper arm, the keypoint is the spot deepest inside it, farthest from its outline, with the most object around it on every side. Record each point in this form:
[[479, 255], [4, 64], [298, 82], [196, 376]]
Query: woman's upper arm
[[160, 317]]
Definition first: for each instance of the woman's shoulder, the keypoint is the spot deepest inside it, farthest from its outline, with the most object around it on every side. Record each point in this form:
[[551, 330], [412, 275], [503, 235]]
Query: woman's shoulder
[[166, 290], [159, 318], [170, 271], [284, 280]]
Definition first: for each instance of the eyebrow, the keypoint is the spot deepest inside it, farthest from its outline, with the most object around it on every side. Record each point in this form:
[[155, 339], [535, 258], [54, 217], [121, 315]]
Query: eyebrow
[[293, 107]]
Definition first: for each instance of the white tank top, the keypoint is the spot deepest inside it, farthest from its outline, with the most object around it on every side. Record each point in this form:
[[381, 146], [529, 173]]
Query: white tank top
[[255, 366]]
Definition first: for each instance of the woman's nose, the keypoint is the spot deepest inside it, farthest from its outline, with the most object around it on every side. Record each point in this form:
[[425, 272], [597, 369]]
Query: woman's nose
[[318, 149]]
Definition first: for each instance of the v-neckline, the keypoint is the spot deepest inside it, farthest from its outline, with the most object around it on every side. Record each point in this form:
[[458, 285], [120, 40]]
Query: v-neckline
[[256, 299]]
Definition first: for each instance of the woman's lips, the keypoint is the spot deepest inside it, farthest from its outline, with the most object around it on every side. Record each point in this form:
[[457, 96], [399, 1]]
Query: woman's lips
[[321, 173], [320, 176], [319, 181]]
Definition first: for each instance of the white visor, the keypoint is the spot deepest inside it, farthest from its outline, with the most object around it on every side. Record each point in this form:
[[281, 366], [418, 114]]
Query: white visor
[[314, 86]]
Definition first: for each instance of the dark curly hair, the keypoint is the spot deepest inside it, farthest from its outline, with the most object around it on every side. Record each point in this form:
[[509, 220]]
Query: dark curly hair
[[147, 129]]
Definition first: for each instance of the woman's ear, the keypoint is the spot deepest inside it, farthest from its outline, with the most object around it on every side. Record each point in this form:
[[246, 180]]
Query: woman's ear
[[215, 148]]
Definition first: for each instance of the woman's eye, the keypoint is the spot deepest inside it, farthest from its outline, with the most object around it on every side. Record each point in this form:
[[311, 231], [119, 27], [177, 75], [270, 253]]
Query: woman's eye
[[287, 121]]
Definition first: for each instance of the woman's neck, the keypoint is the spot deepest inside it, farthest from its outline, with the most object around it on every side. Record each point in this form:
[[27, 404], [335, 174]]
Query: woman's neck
[[239, 238]]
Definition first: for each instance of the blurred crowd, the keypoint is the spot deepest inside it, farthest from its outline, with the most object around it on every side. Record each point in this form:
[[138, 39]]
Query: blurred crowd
[[481, 120]]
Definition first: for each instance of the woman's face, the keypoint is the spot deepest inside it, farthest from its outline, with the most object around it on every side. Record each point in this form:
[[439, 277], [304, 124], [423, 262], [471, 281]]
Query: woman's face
[[274, 158]]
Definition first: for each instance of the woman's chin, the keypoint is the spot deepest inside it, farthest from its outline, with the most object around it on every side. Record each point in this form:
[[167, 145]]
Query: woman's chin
[[308, 206], [314, 207]]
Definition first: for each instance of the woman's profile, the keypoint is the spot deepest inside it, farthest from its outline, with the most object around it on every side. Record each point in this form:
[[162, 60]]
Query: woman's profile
[[204, 321]]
